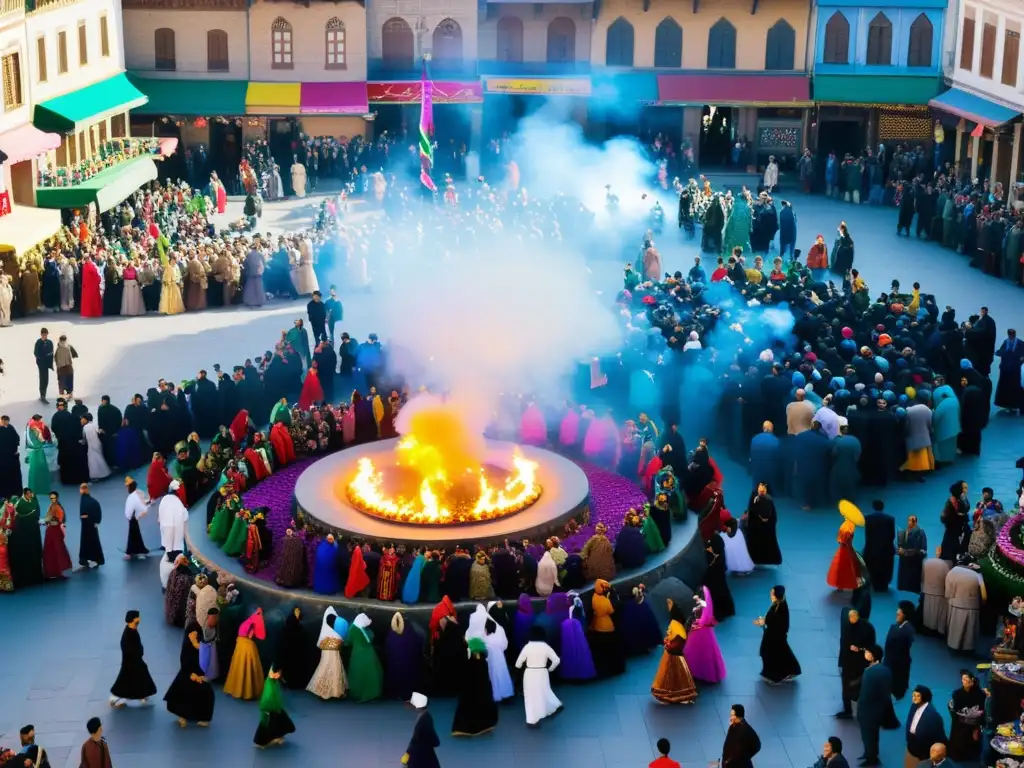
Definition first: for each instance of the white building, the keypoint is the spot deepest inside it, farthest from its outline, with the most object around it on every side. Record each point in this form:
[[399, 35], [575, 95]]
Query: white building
[[984, 64]]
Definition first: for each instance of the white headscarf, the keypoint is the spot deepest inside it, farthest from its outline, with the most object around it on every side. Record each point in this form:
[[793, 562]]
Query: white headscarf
[[577, 604], [477, 623], [363, 622], [326, 630]]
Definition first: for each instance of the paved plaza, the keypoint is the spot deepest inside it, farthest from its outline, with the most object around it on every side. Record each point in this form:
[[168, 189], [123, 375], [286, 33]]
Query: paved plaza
[[60, 640]]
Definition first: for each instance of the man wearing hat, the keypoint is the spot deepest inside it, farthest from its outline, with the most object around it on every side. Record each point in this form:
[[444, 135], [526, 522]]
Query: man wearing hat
[[420, 752]]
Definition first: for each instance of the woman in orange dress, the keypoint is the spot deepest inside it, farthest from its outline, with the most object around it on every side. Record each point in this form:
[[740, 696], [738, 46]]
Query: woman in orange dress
[[56, 558], [844, 573], [673, 683]]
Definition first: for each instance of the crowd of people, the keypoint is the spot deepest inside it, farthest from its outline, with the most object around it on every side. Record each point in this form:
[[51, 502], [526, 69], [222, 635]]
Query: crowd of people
[[850, 389]]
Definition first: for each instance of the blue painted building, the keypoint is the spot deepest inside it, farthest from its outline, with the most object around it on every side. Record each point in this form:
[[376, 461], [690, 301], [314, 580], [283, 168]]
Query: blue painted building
[[876, 65]]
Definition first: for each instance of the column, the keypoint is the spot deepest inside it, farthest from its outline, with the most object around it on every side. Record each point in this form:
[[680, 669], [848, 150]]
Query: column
[[476, 126], [806, 131], [975, 152], [993, 171], [1015, 150], [958, 149]]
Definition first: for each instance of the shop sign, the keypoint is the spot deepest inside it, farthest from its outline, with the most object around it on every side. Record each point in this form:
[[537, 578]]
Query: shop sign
[[552, 86]]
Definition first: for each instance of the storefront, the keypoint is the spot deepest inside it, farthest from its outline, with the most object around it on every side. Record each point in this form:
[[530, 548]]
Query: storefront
[[507, 100], [624, 104], [333, 109], [767, 111], [22, 224], [457, 108], [988, 134], [856, 111]]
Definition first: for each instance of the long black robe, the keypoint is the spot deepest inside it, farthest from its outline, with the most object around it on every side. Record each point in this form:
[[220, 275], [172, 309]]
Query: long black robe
[[71, 451], [423, 743], [187, 699], [859, 635], [10, 463], [477, 712], [227, 398], [879, 533], [133, 680], [761, 535], [296, 658], [879, 434], [89, 547], [108, 420], [715, 581], [448, 660], [897, 656], [206, 409], [974, 411], [980, 340], [25, 545], [777, 660]]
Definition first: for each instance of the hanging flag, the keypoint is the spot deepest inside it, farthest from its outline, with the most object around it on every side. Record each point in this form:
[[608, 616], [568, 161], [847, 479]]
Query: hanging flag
[[979, 131], [426, 129]]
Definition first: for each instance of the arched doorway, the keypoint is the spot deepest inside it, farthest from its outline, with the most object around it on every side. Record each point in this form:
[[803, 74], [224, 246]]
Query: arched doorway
[[447, 45], [717, 135], [397, 44]]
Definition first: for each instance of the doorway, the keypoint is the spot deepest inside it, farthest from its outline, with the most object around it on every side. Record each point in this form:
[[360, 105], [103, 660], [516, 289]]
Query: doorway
[[717, 135], [226, 152], [840, 136]]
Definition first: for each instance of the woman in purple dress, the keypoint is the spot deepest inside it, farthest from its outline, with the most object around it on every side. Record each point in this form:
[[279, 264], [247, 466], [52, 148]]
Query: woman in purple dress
[[640, 630], [577, 663], [403, 655], [522, 623], [702, 653], [555, 612]]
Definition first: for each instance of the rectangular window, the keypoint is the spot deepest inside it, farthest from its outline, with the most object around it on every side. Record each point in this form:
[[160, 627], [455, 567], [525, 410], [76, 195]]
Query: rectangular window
[[104, 37], [12, 81], [62, 53], [967, 45], [41, 58], [988, 50], [1011, 57], [83, 44]]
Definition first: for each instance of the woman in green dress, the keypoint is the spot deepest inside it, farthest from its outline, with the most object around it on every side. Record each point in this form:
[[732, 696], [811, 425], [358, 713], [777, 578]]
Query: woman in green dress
[[235, 543], [38, 467], [737, 228], [365, 674]]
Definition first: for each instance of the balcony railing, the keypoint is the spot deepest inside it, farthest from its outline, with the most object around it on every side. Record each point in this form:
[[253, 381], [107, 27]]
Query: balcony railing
[[45, 5], [11, 8]]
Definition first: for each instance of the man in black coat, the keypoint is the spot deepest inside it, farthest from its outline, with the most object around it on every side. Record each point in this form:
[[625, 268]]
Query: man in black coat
[[205, 404], [924, 725], [741, 741], [832, 754], [874, 703], [856, 636], [897, 648], [108, 420], [43, 352], [10, 460], [879, 551], [71, 451]]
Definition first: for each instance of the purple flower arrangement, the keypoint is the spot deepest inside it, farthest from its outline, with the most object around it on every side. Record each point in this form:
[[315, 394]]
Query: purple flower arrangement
[[611, 496], [1004, 541]]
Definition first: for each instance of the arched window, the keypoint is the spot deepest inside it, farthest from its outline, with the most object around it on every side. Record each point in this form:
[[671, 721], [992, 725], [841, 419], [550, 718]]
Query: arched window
[[722, 46], [397, 46], [837, 40], [163, 44], [561, 41], [880, 40], [510, 39], [217, 51], [619, 44], [447, 43], [668, 44], [780, 48], [920, 52], [281, 42], [334, 43]]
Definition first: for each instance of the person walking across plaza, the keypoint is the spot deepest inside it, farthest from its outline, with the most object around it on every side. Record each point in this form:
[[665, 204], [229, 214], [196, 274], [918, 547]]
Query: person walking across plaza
[[44, 362], [874, 703], [95, 752], [64, 358], [741, 741], [316, 310], [90, 550]]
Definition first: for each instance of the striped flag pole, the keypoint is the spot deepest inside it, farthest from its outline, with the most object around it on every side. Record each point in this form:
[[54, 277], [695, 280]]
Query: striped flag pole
[[426, 128]]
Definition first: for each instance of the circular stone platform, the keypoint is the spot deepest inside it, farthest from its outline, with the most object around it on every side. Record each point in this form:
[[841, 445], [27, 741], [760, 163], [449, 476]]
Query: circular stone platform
[[320, 498]]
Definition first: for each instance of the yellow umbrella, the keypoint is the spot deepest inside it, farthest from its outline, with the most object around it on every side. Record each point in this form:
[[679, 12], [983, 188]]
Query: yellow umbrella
[[850, 511]]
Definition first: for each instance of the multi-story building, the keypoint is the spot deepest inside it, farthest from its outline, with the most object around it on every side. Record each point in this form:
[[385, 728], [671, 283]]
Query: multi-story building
[[985, 69], [220, 72], [719, 71], [877, 63], [63, 70]]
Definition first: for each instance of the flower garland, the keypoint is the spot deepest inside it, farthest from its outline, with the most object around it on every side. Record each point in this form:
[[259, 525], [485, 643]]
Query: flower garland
[[1004, 541]]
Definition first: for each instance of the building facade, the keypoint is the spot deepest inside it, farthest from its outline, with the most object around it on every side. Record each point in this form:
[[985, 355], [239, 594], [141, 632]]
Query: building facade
[[65, 125], [984, 67]]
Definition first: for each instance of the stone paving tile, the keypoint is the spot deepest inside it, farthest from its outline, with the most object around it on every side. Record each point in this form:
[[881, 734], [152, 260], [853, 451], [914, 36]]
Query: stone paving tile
[[61, 678]]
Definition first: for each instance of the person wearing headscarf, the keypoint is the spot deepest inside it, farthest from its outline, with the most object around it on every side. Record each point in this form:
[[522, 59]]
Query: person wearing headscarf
[[274, 721], [761, 523], [496, 642], [538, 661], [547, 575], [945, 423], [133, 683], [673, 683], [447, 649], [778, 664], [179, 582], [598, 556], [967, 714], [477, 621], [420, 751], [702, 651], [924, 727], [403, 660], [577, 661], [715, 577], [365, 674], [245, 675], [295, 651], [328, 681], [326, 576], [190, 697], [844, 571], [358, 579], [173, 517], [603, 637], [956, 518]]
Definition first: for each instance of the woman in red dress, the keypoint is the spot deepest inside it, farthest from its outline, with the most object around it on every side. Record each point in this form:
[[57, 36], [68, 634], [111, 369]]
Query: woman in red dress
[[56, 558], [312, 392], [240, 428], [158, 479], [6, 526], [281, 442], [844, 573], [92, 300]]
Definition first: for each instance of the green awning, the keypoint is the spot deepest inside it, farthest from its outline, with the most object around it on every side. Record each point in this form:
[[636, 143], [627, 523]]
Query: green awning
[[106, 189], [193, 98], [70, 112], [876, 89]]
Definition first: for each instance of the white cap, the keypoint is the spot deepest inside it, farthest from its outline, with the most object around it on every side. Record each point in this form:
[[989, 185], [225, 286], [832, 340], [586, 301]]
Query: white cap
[[419, 701], [175, 485]]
